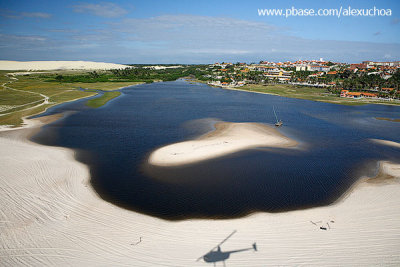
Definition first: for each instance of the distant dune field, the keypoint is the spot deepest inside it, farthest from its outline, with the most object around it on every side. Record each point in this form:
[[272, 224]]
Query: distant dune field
[[58, 65]]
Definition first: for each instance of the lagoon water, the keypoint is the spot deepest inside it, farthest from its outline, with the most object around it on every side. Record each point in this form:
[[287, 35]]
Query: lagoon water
[[115, 140]]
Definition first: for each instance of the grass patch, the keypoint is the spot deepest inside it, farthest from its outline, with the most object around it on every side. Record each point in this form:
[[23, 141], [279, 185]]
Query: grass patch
[[15, 118], [102, 100], [8, 97], [22, 103], [311, 93], [14, 105], [106, 86]]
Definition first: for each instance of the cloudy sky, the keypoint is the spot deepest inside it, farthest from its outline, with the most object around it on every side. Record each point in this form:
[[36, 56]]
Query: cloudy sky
[[129, 31]]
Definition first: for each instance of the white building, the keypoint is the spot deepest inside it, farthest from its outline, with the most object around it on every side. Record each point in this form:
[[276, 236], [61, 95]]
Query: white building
[[318, 68]]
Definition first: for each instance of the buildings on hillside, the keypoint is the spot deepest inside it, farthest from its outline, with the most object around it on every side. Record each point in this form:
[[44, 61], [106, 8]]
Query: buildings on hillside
[[386, 64], [314, 73]]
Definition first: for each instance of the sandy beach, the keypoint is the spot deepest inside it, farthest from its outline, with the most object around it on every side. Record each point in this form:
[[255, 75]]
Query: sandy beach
[[50, 215], [58, 65], [227, 138]]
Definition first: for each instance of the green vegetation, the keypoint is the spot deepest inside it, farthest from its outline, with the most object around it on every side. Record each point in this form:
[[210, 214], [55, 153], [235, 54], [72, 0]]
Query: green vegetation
[[15, 118], [138, 75], [381, 83], [106, 86], [102, 100], [23, 95], [366, 81], [27, 94], [309, 93]]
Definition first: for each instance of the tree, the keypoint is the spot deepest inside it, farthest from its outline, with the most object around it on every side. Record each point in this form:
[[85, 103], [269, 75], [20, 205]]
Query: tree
[[59, 78]]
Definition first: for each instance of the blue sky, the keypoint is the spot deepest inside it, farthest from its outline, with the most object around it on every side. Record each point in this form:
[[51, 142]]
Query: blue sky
[[194, 31]]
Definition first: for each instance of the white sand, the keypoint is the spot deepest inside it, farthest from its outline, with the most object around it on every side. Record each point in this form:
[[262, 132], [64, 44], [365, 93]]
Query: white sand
[[386, 142], [50, 216], [160, 67], [58, 65], [226, 139], [389, 172]]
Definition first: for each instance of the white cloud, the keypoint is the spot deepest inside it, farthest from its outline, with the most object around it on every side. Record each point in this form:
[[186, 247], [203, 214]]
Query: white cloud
[[188, 39], [217, 51], [104, 9], [40, 15], [63, 30], [19, 15], [9, 38], [395, 21], [20, 44], [175, 27], [213, 38]]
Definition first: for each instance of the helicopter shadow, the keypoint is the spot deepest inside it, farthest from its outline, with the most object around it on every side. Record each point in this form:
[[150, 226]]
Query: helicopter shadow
[[217, 255]]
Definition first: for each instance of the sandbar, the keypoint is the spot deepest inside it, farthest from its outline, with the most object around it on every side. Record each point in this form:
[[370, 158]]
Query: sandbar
[[227, 138], [386, 142]]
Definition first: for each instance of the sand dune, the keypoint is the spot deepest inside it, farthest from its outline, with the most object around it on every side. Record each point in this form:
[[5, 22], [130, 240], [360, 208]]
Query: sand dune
[[58, 65], [160, 67], [50, 215], [226, 139]]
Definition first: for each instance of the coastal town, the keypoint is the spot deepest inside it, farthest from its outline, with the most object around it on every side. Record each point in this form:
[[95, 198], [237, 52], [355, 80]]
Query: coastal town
[[368, 79], [199, 133]]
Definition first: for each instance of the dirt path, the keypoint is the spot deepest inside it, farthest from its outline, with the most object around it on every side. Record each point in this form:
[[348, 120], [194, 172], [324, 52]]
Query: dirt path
[[40, 102]]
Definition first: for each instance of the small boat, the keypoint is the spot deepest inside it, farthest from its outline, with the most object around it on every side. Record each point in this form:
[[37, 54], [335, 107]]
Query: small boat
[[278, 123]]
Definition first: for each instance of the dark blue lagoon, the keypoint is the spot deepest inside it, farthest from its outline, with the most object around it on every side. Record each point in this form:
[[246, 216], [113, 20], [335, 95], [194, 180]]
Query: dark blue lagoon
[[116, 139]]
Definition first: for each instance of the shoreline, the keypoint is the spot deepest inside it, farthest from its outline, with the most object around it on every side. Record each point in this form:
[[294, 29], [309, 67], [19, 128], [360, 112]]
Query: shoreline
[[388, 172], [50, 105], [385, 142], [349, 102], [227, 138], [339, 101], [132, 84], [50, 214], [26, 122]]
